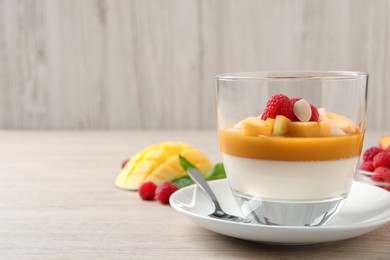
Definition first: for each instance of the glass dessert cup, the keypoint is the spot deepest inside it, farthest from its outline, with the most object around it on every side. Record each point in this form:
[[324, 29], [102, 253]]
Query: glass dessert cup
[[288, 163]]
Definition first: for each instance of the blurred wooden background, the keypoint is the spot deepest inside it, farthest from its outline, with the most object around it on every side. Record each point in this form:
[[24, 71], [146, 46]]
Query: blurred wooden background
[[147, 64]]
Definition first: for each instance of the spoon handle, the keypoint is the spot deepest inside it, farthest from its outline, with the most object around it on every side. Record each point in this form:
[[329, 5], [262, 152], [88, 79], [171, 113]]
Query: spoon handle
[[199, 179]]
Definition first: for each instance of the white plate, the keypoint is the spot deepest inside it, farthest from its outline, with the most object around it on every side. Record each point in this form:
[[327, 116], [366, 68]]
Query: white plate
[[366, 209]]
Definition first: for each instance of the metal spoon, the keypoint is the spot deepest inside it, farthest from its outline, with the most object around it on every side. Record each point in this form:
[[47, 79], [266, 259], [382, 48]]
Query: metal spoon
[[218, 212]]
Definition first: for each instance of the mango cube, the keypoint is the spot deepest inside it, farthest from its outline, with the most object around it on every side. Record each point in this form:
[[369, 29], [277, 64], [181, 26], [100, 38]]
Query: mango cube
[[271, 122], [254, 126], [342, 122], [384, 141], [281, 125], [310, 129]]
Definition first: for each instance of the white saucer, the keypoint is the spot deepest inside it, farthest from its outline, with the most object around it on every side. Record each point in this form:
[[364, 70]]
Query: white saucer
[[366, 209]]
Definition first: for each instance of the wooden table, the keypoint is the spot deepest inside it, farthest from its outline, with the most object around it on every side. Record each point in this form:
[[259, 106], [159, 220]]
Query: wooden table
[[58, 199]]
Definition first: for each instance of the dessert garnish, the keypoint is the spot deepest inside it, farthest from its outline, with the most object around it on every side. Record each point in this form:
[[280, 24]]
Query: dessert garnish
[[295, 117], [277, 105], [376, 162]]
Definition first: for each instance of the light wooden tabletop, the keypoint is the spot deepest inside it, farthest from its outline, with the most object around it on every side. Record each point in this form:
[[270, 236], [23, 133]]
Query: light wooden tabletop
[[58, 199]]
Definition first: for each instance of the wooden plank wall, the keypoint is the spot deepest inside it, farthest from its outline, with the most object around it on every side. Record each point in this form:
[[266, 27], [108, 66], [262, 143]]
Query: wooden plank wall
[[149, 64]]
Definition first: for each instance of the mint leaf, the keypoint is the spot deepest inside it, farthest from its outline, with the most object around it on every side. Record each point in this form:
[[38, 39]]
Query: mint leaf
[[185, 163], [217, 172], [183, 181]]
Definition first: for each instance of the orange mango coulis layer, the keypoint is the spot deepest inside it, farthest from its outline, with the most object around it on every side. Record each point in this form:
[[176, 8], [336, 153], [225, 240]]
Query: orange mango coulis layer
[[291, 148]]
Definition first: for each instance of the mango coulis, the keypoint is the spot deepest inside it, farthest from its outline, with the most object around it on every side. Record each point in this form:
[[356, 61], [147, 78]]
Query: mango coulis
[[291, 148]]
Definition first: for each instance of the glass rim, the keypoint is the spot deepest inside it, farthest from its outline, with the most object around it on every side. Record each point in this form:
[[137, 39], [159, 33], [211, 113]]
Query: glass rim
[[293, 75]]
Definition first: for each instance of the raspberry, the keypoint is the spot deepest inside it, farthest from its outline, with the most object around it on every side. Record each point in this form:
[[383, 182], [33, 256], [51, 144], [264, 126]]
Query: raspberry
[[381, 174], [370, 153], [124, 163], [314, 114], [382, 159], [147, 190], [385, 187], [164, 192], [278, 105], [367, 166], [292, 101]]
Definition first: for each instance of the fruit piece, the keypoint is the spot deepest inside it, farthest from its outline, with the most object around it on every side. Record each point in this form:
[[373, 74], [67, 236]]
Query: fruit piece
[[335, 131], [254, 126], [147, 190], [310, 129], [281, 125], [139, 172], [314, 114], [381, 174], [384, 141], [124, 163], [367, 166], [122, 179], [302, 110], [271, 122], [342, 122], [321, 112], [172, 169], [277, 105], [163, 173], [370, 153], [159, 163], [382, 159], [292, 102], [384, 187], [164, 192]]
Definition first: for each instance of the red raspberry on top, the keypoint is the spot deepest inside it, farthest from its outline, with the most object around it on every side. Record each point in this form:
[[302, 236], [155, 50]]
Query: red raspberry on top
[[314, 114], [381, 174], [370, 153], [382, 159], [367, 166], [278, 105], [164, 192], [292, 101]]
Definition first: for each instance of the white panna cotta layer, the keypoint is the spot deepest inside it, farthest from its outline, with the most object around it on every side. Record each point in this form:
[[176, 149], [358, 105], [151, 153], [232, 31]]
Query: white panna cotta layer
[[290, 180]]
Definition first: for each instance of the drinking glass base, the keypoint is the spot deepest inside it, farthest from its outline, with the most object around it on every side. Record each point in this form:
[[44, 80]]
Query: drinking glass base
[[289, 213]]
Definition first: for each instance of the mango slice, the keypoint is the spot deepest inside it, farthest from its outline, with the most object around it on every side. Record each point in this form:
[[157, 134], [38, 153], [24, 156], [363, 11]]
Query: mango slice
[[254, 126], [310, 129], [281, 125], [158, 163], [384, 141], [342, 122]]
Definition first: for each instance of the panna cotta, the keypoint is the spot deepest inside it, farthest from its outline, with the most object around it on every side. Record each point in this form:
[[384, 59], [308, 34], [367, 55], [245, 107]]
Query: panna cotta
[[262, 168], [278, 158]]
